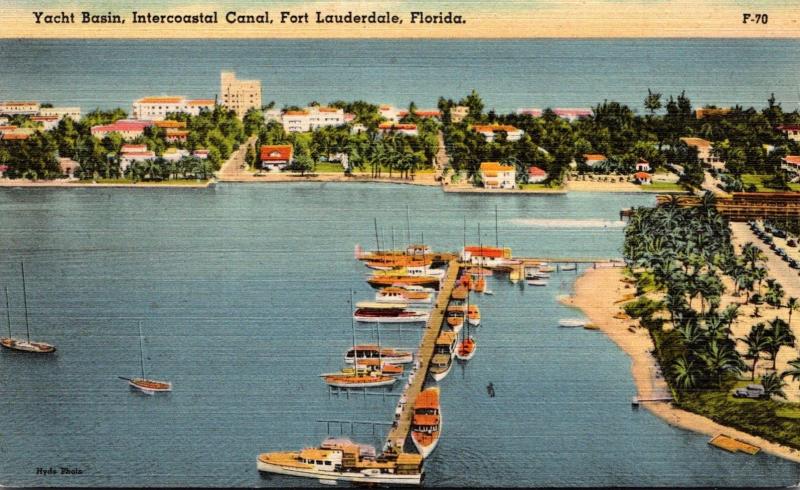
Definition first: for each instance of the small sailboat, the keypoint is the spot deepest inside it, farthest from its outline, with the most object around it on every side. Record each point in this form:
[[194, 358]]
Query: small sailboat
[[465, 349], [145, 385], [23, 345], [426, 422], [569, 267], [356, 377]]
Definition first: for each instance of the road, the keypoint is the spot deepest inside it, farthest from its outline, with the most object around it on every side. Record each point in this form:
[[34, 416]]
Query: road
[[234, 167]]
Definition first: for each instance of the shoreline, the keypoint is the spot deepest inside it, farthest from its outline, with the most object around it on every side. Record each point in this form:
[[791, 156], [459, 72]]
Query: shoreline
[[596, 290]]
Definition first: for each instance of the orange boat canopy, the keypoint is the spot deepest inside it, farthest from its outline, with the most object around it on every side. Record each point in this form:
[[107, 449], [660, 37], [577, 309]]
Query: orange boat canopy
[[427, 399]]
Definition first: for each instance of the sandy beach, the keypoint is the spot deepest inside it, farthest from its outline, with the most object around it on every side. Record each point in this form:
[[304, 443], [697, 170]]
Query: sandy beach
[[596, 292]]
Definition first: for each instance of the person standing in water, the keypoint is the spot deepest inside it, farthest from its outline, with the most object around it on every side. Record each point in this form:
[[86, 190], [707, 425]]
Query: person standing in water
[[490, 389]]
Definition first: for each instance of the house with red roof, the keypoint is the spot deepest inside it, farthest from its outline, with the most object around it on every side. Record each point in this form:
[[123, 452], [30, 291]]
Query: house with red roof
[[792, 131], [130, 154], [407, 128], [593, 159], [572, 113], [176, 135], [791, 163], [276, 157], [489, 130], [536, 175], [643, 178], [127, 128]]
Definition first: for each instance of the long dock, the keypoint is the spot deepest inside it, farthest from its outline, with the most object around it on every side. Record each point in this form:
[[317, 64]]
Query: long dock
[[399, 432]]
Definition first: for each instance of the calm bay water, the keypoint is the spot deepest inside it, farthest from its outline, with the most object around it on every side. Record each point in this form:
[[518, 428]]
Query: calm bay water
[[243, 295], [508, 74]]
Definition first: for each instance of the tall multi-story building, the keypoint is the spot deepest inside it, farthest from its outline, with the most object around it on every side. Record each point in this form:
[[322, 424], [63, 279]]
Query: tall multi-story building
[[239, 95]]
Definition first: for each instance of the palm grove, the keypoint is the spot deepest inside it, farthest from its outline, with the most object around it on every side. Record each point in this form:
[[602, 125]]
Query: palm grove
[[218, 131], [681, 260]]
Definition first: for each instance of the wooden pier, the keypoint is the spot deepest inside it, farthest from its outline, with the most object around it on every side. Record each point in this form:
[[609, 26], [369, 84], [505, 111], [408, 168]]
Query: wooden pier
[[400, 430]]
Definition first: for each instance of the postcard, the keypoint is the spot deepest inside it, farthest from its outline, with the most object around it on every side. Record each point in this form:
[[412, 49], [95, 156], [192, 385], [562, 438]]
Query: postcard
[[297, 243]]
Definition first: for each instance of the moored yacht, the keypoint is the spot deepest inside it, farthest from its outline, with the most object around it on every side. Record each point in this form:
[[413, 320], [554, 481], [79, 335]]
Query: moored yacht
[[426, 422], [369, 312], [343, 460], [386, 355], [410, 295]]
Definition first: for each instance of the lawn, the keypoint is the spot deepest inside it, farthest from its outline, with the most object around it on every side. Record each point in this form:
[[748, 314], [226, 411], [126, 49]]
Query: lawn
[[170, 182], [665, 186], [773, 420], [758, 181], [537, 187]]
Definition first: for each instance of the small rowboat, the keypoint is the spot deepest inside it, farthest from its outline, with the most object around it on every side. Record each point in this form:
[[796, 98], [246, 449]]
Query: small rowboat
[[465, 349], [149, 386], [571, 322], [569, 267], [546, 268], [459, 293], [537, 282]]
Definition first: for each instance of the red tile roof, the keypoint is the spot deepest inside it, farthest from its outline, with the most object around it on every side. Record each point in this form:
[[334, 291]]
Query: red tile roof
[[489, 128], [792, 160], [594, 157], [398, 127], [536, 171], [122, 126], [276, 153], [160, 100], [15, 136], [641, 175]]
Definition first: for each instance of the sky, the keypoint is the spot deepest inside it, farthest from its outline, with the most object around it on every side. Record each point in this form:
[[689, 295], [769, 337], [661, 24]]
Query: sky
[[484, 19]]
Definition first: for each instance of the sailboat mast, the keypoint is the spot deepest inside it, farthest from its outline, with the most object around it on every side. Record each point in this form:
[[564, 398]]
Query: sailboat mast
[[408, 225], [496, 235], [393, 238], [25, 301], [8, 313], [480, 245], [141, 348], [465, 232], [353, 326], [377, 240]]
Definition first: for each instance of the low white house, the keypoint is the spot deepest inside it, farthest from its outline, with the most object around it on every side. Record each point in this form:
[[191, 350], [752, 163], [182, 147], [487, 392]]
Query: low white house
[[643, 165], [134, 153], [704, 154], [312, 118], [497, 176], [490, 130], [791, 163], [792, 131], [407, 129], [593, 159]]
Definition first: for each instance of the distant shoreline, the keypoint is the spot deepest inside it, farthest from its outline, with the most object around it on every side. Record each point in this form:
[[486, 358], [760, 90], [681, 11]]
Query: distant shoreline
[[596, 290]]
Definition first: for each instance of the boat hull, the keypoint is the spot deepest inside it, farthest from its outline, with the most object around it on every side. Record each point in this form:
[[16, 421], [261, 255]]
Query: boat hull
[[423, 317], [350, 384], [466, 356], [391, 479], [151, 390], [25, 346], [440, 375], [426, 450]]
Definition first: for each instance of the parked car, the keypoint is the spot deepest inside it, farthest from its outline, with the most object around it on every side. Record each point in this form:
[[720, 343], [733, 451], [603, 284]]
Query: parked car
[[749, 391]]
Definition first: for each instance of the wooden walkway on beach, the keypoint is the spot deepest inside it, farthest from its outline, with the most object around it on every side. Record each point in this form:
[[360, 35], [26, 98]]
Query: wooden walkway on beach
[[398, 434]]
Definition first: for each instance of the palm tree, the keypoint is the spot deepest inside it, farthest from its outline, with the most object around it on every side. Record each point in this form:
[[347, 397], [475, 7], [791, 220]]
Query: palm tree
[[773, 385], [756, 342], [778, 335], [686, 373], [774, 293], [795, 371], [792, 304], [721, 358]]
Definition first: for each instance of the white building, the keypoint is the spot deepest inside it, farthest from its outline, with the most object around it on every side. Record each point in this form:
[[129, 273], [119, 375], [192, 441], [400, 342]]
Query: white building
[[458, 113], [489, 130], [272, 115], [157, 108], [129, 154], [389, 112], [12, 107], [73, 113], [792, 131], [174, 154], [47, 122], [496, 176], [312, 118]]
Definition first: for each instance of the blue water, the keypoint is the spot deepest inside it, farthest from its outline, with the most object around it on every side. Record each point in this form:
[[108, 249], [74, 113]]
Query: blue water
[[508, 73], [242, 292]]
